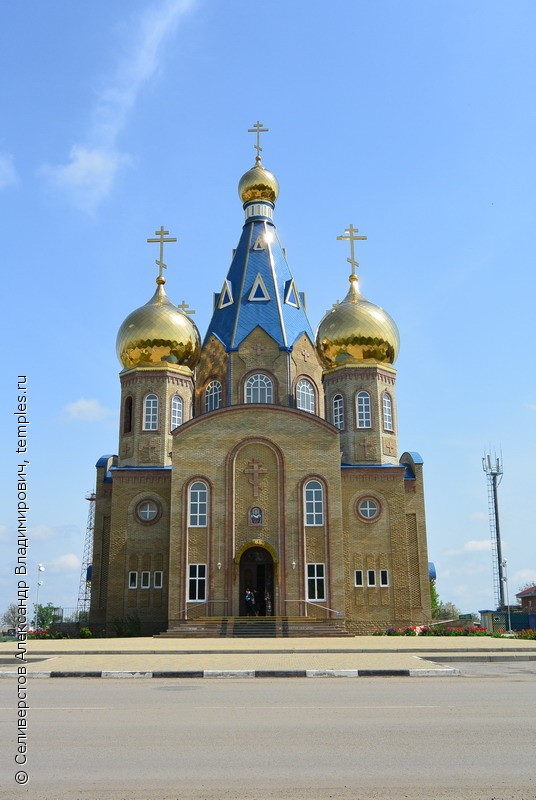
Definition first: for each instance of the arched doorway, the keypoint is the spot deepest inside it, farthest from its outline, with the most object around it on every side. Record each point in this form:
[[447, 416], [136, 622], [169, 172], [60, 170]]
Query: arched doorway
[[256, 572]]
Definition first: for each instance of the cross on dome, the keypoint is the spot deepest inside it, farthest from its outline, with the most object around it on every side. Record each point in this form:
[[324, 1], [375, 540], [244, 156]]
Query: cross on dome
[[161, 238], [349, 236], [258, 129]]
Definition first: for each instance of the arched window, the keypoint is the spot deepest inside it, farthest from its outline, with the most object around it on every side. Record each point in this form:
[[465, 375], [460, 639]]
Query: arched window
[[213, 395], [387, 412], [176, 411], [197, 505], [127, 415], [305, 396], [259, 389], [364, 417], [314, 503], [338, 411], [150, 413]]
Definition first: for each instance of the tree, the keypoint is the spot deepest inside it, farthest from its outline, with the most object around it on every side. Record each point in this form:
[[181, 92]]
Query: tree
[[434, 599], [441, 610], [10, 617], [448, 611], [44, 616]]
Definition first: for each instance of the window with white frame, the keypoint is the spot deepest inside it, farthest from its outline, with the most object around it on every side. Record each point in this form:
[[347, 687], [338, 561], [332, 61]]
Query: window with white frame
[[364, 416], [314, 503], [316, 581], [213, 396], [371, 577], [338, 411], [197, 582], [198, 502], [158, 579], [387, 412], [358, 578], [147, 511], [145, 580], [132, 580], [368, 509], [150, 413], [176, 411], [258, 389], [384, 577], [305, 396]]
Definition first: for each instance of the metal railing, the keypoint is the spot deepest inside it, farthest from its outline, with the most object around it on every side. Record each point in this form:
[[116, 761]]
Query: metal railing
[[310, 603], [195, 604]]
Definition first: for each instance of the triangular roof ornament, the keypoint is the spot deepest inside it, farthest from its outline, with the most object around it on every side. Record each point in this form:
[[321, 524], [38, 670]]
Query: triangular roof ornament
[[292, 298], [226, 295], [259, 292]]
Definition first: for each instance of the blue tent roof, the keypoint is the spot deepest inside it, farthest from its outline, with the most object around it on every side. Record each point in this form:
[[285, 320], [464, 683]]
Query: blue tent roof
[[259, 291]]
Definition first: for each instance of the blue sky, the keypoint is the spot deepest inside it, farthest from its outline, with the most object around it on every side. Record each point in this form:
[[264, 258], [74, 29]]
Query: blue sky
[[415, 121]]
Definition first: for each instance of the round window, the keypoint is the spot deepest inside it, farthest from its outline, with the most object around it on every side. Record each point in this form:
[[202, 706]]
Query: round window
[[147, 511], [368, 509]]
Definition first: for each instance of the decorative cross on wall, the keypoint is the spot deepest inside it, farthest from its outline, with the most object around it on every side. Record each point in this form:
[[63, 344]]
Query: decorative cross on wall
[[255, 469]]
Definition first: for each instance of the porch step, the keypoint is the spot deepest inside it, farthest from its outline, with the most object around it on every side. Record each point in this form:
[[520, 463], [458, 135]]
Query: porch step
[[252, 627]]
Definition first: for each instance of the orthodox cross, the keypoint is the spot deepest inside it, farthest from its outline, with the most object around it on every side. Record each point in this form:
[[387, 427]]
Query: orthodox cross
[[161, 234], [305, 354], [349, 236], [258, 349], [185, 308], [254, 468], [258, 129]]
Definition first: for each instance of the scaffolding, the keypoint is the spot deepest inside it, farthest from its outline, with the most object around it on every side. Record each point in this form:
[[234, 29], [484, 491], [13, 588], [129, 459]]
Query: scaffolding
[[493, 470], [84, 589]]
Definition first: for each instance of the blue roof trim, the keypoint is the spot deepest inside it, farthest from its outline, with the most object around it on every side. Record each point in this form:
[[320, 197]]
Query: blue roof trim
[[284, 323], [370, 466], [432, 575], [126, 468], [103, 461], [417, 459]]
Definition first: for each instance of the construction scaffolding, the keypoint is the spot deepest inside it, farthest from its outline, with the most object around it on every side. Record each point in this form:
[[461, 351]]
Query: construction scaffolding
[[84, 589]]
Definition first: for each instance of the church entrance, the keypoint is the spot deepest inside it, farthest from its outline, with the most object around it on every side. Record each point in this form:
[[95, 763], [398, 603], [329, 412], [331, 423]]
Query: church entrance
[[257, 575]]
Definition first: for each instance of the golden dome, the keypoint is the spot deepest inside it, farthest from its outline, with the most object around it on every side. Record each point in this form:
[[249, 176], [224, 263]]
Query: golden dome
[[158, 335], [258, 183], [357, 331]]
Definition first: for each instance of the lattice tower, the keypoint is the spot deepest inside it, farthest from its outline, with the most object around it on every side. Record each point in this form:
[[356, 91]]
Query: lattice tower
[[493, 470], [84, 589]]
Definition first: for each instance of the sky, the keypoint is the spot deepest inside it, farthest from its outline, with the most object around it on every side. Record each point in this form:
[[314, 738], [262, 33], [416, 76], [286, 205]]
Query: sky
[[414, 121]]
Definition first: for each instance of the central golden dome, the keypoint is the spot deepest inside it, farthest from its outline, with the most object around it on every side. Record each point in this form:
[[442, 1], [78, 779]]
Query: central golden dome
[[158, 335], [258, 183], [357, 331]]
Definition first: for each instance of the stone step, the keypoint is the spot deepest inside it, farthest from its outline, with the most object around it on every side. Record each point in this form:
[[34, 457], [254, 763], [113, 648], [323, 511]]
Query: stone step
[[237, 627]]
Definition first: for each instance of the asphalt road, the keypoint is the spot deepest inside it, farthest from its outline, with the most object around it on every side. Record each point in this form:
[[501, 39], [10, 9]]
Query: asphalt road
[[467, 738]]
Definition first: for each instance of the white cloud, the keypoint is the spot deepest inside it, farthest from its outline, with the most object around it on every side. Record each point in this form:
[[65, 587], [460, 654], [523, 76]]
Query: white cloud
[[83, 410], [8, 174], [66, 563], [479, 516], [5, 535], [41, 532], [530, 406], [523, 576], [89, 175], [472, 546], [93, 165]]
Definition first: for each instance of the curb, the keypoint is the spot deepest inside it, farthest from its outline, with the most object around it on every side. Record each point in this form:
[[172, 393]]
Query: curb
[[247, 673]]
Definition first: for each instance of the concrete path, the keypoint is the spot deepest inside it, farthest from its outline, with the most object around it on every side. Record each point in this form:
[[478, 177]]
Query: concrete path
[[266, 657]]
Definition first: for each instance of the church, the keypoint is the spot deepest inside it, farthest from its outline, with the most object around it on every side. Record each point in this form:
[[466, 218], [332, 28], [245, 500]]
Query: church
[[258, 469]]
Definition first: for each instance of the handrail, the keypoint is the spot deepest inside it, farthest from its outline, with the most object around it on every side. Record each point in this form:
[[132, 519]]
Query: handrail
[[310, 602], [197, 605]]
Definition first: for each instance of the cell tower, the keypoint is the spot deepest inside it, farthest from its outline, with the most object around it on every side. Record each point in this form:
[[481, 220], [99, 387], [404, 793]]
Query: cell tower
[[84, 589], [494, 473]]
